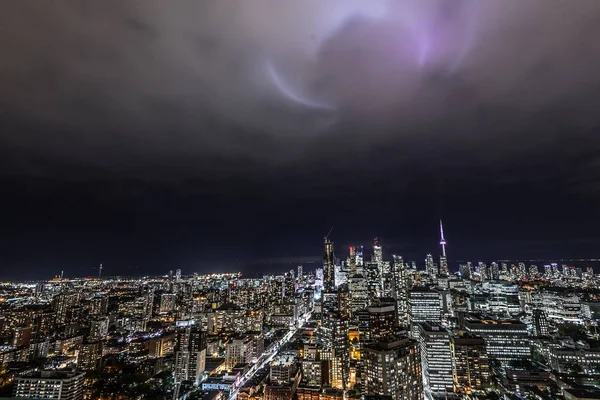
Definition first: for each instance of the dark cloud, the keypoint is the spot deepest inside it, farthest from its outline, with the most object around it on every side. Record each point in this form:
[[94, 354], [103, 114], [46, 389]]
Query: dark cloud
[[189, 79], [363, 106]]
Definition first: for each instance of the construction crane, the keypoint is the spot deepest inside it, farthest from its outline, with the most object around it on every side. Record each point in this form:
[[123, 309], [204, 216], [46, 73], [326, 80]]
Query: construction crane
[[329, 233]]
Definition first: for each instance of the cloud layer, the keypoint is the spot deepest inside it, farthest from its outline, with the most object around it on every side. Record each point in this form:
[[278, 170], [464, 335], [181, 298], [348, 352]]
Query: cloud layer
[[185, 87]]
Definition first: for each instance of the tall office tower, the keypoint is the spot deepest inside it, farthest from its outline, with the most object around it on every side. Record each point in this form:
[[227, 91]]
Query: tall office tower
[[335, 309], [495, 271], [470, 363], [540, 323], [430, 267], [465, 271], [289, 286], [401, 283], [374, 282], [99, 305], [359, 297], [178, 275], [55, 385], [319, 279], [436, 359], [383, 318], [504, 269], [393, 368], [89, 356], [341, 275], [351, 261], [340, 365], [388, 286], [300, 274], [377, 252], [360, 262], [424, 305], [62, 304], [328, 266], [444, 266], [506, 340], [377, 269], [443, 259], [190, 354]]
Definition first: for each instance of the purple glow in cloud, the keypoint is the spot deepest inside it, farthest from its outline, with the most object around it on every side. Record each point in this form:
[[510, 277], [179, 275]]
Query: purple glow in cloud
[[291, 93], [446, 37]]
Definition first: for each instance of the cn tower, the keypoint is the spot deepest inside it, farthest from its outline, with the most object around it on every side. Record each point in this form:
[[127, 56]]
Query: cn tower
[[442, 240]]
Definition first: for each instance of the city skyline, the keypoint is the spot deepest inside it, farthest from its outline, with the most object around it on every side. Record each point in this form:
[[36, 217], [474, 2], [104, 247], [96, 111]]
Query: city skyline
[[300, 200]]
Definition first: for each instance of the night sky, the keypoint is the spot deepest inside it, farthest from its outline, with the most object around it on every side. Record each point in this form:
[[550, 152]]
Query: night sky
[[229, 135]]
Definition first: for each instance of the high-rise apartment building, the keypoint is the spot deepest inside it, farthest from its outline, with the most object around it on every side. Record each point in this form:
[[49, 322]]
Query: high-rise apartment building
[[190, 354], [393, 368], [51, 385], [62, 304], [470, 363], [89, 356]]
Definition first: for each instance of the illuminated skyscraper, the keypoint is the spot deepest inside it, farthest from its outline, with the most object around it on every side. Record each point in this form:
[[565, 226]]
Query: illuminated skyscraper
[[424, 305], [393, 368], [436, 359], [359, 257], [401, 287], [352, 260], [328, 266], [470, 363], [377, 252], [430, 266], [383, 318], [540, 323], [190, 354]]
